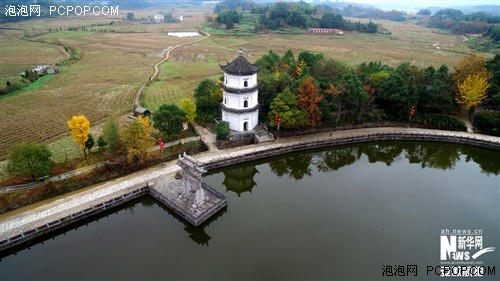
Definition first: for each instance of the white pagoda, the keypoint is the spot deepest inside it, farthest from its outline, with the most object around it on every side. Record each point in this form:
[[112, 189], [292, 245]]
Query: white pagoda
[[240, 106]]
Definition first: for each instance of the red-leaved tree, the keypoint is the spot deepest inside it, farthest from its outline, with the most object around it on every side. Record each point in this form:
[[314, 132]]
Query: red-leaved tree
[[308, 99]]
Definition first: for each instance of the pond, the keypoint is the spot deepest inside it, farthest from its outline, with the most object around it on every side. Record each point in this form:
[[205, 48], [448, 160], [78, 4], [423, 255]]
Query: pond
[[183, 34], [346, 213]]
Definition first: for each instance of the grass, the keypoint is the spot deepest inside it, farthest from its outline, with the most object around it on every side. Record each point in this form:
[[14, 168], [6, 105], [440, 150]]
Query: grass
[[37, 83], [64, 148], [177, 80]]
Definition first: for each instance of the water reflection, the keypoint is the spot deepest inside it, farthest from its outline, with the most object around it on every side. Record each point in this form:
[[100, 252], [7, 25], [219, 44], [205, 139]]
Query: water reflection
[[297, 166], [240, 179], [428, 155], [197, 234]]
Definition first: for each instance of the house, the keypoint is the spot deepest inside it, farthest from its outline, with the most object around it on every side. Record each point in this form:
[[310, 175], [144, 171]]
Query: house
[[159, 18], [325, 31], [40, 70], [141, 111], [53, 69], [179, 18]]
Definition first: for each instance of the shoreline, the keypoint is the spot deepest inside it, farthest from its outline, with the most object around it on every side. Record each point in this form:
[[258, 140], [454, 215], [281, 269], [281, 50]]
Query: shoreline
[[20, 228]]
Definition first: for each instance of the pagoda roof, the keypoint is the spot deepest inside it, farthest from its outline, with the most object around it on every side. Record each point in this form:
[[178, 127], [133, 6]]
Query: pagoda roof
[[244, 110], [239, 90], [240, 66]]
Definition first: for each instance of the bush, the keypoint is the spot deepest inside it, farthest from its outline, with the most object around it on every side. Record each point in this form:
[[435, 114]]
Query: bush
[[222, 130], [445, 122], [488, 122]]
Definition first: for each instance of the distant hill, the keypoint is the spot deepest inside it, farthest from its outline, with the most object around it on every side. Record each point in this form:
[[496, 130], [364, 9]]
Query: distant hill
[[492, 9]]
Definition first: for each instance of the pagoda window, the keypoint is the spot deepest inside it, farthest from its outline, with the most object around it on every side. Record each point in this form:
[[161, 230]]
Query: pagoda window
[[245, 83], [245, 104]]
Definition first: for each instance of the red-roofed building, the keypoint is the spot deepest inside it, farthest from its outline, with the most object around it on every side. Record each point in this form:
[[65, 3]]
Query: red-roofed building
[[325, 31]]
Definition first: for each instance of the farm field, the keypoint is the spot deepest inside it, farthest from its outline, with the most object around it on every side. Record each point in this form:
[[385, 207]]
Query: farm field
[[33, 53], [114, 65], [408, 43], [103, 82]]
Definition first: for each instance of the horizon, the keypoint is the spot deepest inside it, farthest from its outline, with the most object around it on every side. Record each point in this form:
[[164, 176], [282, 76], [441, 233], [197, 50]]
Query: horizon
[[425, 3]]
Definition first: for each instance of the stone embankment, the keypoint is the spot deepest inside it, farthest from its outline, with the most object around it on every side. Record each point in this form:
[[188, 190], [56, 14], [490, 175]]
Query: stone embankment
[[22, 227]]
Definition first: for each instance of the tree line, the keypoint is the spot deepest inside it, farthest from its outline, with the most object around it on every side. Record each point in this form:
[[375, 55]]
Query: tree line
[[459, 23], [313, 91], [286, 15]]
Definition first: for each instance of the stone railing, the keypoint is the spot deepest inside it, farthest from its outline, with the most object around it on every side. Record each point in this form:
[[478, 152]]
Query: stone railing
[[286, 148]]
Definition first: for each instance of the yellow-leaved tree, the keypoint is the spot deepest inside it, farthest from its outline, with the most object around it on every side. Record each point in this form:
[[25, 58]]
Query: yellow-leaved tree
[[138, 138], [469, 65], [188, 106], [80, 129], [473, 91]]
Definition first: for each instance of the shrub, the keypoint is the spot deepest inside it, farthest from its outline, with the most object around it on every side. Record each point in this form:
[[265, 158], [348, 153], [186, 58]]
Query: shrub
[[445, 122], [222, 130], [488, 122]]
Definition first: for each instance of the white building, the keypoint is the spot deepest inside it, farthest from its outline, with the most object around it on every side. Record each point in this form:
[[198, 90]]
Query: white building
[[159, 18], [240, 106], [179, 18]]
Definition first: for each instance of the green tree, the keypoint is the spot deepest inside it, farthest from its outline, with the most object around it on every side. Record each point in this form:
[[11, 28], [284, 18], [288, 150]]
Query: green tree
[[393, 96], [330, 20], [371, 27], [89, 143], [424, 12], [310, 59], [285, 106], [168, 119], [357, 99], [207, 97], [130, 16], [112, 136], [188, 106], [328, 70], [338, 99], [30, 159], [493, 66], [101, 142], [222, 130], [435, 91]]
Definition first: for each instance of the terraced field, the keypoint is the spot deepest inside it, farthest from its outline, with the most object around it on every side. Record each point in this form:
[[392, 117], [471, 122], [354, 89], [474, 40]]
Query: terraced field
[[17, 56], [103, 82]]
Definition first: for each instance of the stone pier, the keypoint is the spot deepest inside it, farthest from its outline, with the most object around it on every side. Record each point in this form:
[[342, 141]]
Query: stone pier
[[190, 198]]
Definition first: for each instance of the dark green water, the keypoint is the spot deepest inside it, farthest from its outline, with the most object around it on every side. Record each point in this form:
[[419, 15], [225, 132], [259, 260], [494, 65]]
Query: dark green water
[[334, 214]]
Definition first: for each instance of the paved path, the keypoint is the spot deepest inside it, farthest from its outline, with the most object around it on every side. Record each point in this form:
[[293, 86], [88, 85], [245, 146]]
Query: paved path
[[464, 115], [84, 170], [17, 224], [207, 137]]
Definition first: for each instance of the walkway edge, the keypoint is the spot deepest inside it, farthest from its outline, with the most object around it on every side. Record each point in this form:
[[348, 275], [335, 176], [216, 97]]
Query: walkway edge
[[18, 228]]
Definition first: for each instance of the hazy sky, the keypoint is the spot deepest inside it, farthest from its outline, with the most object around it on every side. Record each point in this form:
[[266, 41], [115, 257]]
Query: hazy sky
[[429, 3]]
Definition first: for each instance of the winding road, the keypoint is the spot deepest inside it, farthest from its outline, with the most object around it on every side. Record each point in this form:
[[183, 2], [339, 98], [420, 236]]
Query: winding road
[[137, 99]]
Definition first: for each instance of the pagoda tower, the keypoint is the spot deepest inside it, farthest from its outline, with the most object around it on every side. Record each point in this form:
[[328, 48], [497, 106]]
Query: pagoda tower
[[240, 106]]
